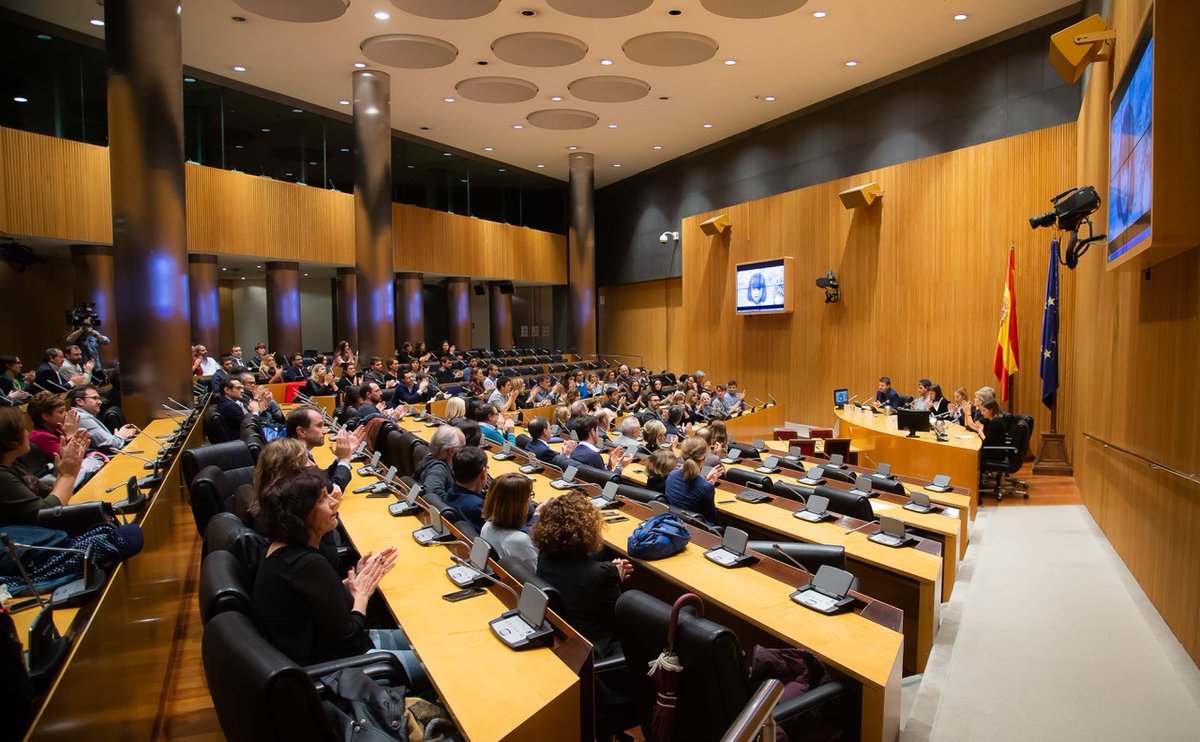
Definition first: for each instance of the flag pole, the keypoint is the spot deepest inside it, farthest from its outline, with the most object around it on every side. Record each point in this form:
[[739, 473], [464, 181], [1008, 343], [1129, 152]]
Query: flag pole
[[1052, 456]]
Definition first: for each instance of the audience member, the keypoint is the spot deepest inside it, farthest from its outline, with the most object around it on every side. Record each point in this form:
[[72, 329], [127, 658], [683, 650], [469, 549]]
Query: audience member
[[75, 365], [686, 489], [343, 354], [202, 364], [21, 495], [307, 425], [658, 466], [239, 363], [268, 372], [225, 369], [269, 410], [921, 400], [408, 391], [53, 420], [52, 377], [89, 339], [86, 401], [456, 409], [231, 409], [295, 369], [469, 467], [495, 427], [433, 471], [936, 402], [14, 382], [320, 382], [507, 512]]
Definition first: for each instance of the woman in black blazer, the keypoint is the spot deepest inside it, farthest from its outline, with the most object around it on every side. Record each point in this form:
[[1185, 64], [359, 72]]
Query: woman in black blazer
[[938, 404]]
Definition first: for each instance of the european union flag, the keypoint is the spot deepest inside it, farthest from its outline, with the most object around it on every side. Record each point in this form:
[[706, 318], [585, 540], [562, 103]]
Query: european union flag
[[1049, 360]]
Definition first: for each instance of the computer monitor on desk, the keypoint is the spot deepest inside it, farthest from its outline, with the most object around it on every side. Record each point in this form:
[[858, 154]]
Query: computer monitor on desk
[[914, 421]]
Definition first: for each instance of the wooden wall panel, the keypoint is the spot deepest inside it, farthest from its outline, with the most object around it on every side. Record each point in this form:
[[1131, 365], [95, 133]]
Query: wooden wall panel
[[428, 241], [642, 323], [53, 187], [922, 274], [33, 304], [1137, 348]]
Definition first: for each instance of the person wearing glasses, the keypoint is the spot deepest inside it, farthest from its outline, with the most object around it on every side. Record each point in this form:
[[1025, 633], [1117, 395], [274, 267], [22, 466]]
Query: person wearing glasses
[[232, 409], [86, 401]]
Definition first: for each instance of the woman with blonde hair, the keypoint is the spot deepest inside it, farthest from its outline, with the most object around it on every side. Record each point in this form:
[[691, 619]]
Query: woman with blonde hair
[[456, 408], [653, 433], [320, 382], [686, 489], [268, 372]]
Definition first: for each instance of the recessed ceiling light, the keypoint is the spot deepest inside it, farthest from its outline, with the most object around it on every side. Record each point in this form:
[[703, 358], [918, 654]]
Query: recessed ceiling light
[[518, 126], [297, 110], [344, 102], [851, 63], [360, 65], [21, 99], [411, 167], [265, 130], [243, 278], [306, 275], [487, 149], [616, 164], [501, 170], [708, 126], [448, 100], [961, 17], [189, 79], [96, 22], [312, 162], [540, 165], [224, 269], [382, 15], [658, 146], [819, 14], [769, 98], [612, 126], [556, 98], [730, 62], [605, 62], [239, 146], [44, 37], [447, 154], [259, 266], [572, 147], [238, 68]]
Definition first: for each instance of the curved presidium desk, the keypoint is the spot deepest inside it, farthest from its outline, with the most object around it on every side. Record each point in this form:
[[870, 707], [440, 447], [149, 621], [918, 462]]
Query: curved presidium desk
[[924, 456]]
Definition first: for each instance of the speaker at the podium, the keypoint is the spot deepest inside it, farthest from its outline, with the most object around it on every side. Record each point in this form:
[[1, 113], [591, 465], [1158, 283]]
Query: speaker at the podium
[[860, 196], [716, 225], [1069, 56]]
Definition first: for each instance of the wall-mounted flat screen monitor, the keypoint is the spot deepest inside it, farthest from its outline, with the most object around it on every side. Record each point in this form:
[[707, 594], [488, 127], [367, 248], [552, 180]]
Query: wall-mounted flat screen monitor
[[764, 286], [1131, 152]]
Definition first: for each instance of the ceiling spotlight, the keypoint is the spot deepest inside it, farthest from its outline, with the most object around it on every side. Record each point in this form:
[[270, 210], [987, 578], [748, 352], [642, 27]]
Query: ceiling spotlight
[[189, 79], [238, 68], [312, 162], [359, 65], [612, 126], [540, 165], [345, 149], [518, 126], [851, 63], [960, 17], [708, 126], [259, 266], [769, 98], [605, 62], [44, 37], [730, 62], [306, 275], [21, 99], [819, 14], [344, 102], [96, 22], [658, 146], [447, 154], [501, 170], [487, 149], [239, 146], [616, 164], [224, 269], [243, 278], [448, 100], [382, 15], [572, 147], [297, 110], [265, 130], [556, 98]]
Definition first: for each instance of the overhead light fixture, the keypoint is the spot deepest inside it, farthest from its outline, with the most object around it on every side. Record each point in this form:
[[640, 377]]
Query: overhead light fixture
[[259, 266], [21, 99], [44, 37], [572, 147], [265, 130], [238, 68], [819, 14], [658, 146], [540, 165], [487, 149], [344, 102], [769, 98], [224, 269], [312, 162], [851, 63], [730, 62], [605, 62], [360, 65], [239, 146], [306, 275], [556, 98], [297, 110], [447, 154], [518, 126], [96, 22], [189, 79], [448, 100], [502, 170], [708, 126], [616, 164], [345, 149], [612, 126], [382, 15], [961, 17], [243, 278]]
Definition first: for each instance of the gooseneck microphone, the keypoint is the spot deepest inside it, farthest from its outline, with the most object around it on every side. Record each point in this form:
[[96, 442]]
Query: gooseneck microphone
[[779, 550], [859, 528]]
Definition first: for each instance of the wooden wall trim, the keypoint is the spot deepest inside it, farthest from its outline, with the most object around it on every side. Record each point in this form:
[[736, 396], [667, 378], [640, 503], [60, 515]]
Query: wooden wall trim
[[52, 187]]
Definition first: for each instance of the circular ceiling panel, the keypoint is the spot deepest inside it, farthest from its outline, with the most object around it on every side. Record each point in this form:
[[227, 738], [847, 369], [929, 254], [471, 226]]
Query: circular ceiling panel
[[297, 11], [751, 8], [496, 89], [539, 49], [609, 89], [562, 118], [670, 48], [409, 51], [594, 9], [447, 10]]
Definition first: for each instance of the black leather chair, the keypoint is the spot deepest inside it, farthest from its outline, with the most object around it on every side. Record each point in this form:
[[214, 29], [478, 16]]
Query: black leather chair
[[748, 451], [227, 532], [714, 686], [214, 427], [465, 528], [523, 574], [748, 478], [212, 491], [224, 456], [406, 465], [260, 694], [449, 514], [846, 503], [112, 417], [998, 463], [812, 556], [223, 586], [883, 484], [639, 494], [419, 451], [75, 518], [790, 491], [840, 475], [593, 475]]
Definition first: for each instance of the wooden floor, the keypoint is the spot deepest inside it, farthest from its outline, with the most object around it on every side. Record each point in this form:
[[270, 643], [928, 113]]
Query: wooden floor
[[189, 716]]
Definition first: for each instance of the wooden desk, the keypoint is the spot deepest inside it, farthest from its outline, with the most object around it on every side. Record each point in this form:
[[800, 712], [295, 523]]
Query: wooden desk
[[492, 692], [923, 456], [864, 650]]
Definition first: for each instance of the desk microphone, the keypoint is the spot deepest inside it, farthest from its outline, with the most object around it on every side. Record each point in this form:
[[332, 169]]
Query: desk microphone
[[859, 528], [46, 647], [492, 578], [144, 482], [179, 405], [779, 550]]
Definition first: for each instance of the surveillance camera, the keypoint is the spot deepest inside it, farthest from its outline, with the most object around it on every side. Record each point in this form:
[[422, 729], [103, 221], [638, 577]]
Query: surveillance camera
[[666, 237]]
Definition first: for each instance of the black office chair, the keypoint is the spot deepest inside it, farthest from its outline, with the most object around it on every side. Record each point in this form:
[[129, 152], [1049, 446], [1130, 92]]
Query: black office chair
[[112, 417], [593, 475], [224, 456], [392, 446], [260, 694], [418, 452], [846, 503], [997, 462], [812, 556], [714, 685], [790, 491], [748, 451], [212, 491], [639, 494], [883, 484], [75, 518], [214, 427], [227, 532], [840, 475], [223, 586], [748, 478]]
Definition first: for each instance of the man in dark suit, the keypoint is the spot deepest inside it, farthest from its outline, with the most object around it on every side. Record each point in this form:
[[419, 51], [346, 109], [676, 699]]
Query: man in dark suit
[[231, 408], [588, 450], [307, 424], [674, 420], [539, 446], [295, 369], [470, 475], [887, 396], [52, 377], [224, 371]]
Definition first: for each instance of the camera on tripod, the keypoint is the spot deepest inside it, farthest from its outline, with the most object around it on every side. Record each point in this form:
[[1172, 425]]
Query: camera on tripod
[[83, 314]]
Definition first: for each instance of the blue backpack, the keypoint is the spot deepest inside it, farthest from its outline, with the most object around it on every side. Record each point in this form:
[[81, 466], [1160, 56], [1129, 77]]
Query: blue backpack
[[659, 537]]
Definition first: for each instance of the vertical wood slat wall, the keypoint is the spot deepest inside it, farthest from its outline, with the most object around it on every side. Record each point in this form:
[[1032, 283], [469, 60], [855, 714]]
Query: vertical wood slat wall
[[1137, 352], [922, 274]]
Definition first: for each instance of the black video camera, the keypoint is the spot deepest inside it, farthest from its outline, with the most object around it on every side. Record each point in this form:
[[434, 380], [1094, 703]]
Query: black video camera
[[1071, 208], [83, 314]]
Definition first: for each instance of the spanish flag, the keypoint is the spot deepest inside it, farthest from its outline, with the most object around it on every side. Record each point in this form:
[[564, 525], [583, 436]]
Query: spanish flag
[[1005, 364]]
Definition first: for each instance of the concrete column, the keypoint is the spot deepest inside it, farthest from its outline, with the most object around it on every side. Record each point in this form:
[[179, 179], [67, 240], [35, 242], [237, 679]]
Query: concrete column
[[410, 308], [204, 300], [458, 309], [93, 284], [283, 307], [581, 252], [500, 314], [143, 41], [345, 299], [373, 212]]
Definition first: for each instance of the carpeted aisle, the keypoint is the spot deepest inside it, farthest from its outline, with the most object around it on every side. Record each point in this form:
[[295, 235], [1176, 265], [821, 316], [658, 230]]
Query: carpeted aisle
[[1052, 639]]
